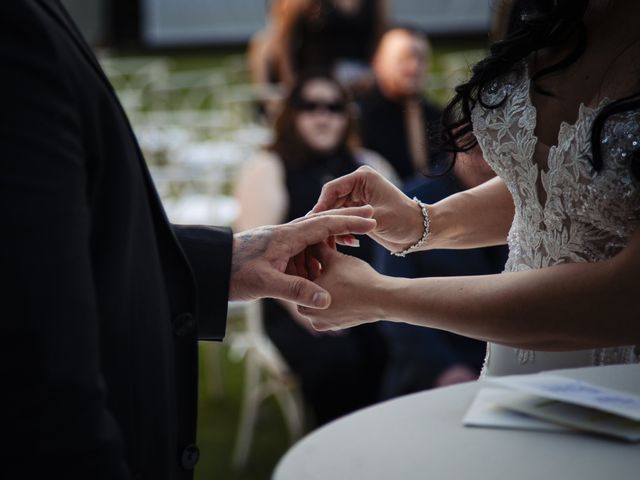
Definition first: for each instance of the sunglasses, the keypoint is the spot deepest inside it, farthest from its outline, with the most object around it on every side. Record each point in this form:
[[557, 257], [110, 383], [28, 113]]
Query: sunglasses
[[313, 106]]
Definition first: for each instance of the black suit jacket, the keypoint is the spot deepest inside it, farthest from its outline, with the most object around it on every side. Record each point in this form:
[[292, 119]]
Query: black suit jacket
[[103, 300]]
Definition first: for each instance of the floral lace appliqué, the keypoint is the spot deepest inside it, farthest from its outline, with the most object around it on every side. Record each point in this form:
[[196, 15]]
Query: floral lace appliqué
[[565, 212]]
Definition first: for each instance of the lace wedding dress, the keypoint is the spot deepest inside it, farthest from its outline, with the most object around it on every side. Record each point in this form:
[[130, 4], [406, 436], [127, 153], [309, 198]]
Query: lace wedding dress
[[565, 212]]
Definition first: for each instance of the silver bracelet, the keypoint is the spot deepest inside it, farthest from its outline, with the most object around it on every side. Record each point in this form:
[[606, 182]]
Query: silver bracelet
[[425, 232]]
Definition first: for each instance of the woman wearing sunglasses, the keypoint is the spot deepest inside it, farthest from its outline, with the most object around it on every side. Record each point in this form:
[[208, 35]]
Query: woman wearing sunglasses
[[314, 142]]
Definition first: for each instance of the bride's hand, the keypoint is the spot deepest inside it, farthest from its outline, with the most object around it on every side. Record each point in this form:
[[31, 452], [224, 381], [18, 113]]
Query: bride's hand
[[399, 219], [354, 288]]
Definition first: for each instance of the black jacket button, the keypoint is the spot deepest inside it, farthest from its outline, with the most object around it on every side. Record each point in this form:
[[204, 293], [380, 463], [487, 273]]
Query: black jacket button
[[184, 324], [190, 456]]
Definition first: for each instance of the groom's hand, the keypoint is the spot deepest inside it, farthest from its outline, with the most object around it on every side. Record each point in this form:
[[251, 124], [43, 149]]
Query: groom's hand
[[266, 260]]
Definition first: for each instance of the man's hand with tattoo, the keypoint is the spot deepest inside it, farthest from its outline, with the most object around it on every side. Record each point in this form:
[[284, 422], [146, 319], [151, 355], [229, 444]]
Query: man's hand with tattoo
[[272, 262]]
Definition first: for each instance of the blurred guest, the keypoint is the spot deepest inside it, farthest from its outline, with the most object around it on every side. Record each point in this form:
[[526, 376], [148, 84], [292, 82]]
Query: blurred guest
[[421, 358], [335, 35], [314, 143], [395, 118], [332, 35]]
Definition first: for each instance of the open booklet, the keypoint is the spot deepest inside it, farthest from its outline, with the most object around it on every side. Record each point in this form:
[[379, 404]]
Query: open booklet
[[552, 402]]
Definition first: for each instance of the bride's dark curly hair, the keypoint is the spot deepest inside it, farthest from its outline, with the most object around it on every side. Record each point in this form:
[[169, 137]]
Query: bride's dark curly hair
[[534, 25]]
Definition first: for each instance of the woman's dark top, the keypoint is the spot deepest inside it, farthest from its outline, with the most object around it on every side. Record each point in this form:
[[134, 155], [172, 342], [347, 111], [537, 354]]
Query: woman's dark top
[[383, 129], [324, 34], [339, 373]]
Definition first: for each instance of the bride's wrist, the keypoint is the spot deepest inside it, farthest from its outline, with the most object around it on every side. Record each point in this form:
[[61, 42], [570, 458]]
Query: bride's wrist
[[385, 300], [419, 228]]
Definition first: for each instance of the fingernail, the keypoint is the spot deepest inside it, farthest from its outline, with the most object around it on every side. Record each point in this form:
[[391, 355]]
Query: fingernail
[[354, 242], [320, 299]]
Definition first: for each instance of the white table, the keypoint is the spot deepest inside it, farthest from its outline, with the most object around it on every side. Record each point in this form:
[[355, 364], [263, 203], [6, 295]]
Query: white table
[[421, 436]]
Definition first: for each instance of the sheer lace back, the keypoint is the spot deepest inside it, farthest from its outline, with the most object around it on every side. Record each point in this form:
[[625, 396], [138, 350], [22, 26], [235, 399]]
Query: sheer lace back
[[565, 212]]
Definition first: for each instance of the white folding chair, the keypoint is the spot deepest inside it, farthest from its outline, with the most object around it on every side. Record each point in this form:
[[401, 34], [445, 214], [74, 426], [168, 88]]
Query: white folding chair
[[266, 374]]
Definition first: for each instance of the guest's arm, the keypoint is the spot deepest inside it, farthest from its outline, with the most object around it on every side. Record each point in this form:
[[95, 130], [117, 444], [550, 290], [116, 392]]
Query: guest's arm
[[261, 192], [285, 16]]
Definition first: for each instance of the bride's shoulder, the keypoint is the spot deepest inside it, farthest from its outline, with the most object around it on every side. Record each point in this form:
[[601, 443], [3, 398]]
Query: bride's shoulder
[[496, 91]]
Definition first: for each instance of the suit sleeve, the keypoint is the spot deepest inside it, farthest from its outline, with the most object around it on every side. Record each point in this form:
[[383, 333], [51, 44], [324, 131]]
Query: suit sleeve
[[55, 416], [209, 251]]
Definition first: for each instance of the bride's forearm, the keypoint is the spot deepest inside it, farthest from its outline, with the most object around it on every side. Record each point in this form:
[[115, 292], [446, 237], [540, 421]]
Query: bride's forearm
[[478, 217], [567, 307]]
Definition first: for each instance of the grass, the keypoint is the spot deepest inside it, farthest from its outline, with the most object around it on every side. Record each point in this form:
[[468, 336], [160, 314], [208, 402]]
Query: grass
[[218, 414]]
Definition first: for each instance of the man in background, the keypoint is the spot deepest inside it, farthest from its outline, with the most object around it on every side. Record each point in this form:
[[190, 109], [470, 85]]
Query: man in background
[[395, 119]]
